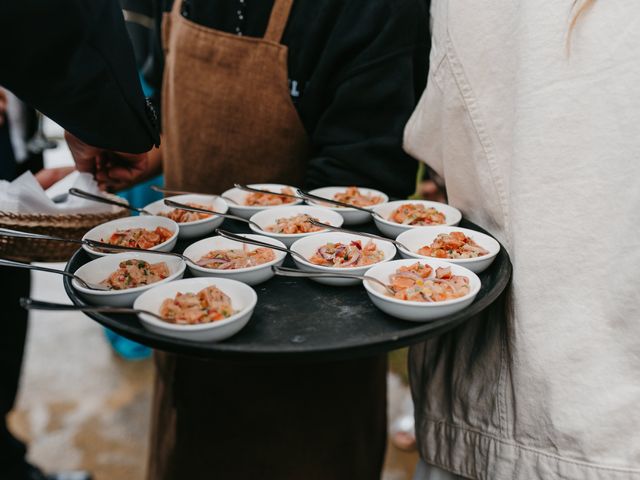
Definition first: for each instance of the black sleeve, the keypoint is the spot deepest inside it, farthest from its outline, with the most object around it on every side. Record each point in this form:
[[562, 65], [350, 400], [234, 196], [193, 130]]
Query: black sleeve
[[358, 138], [72, 60], [154, 70], [140, 25]]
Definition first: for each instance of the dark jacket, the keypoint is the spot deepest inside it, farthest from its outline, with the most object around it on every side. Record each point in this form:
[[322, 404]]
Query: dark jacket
[[72, 60], [356, 70]]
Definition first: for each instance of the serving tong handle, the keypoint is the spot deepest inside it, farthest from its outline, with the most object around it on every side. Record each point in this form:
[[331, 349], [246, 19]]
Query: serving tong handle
[[247, 188], [91, 286], [251, 241], [19, 234], [31, 304], [183, 206], [294, 272], [95, 244], [88, 242], [169, 191], [363, 234], [316, 198], [76, 192]]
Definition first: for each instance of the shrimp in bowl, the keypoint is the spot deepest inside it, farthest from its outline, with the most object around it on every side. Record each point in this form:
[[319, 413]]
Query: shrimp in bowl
[[396, 217], [338, 252], [461, 246], [424, 290], [226, 258], [197, 309]]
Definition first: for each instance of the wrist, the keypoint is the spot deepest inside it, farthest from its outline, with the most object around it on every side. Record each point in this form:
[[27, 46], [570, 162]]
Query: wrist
[[155, 161]]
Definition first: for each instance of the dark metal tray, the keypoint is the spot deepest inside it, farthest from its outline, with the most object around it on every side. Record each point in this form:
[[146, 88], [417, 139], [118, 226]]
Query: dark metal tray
[[298, 319]]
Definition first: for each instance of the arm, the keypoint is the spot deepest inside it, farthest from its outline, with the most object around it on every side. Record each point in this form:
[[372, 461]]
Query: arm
[[72, 60], [115, 170], [48, 176], [358, 138]]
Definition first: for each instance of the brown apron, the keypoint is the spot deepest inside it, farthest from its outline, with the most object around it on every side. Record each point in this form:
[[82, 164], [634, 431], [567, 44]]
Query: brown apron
[[228, 117], [227, 112]]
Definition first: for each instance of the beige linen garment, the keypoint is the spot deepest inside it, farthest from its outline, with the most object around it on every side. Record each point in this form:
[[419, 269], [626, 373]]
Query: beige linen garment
[[542, 148]]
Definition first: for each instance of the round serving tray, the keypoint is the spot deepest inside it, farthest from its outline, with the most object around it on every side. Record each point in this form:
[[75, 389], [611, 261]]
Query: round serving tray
[[298, 319]]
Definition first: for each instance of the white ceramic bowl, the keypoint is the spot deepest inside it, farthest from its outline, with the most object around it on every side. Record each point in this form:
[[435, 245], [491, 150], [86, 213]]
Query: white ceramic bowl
[[418, 311], [269, 217], [392, 229], [417, 238], [199, 228], [103, 231], [309, 245], [243, 301], [250, 275], [247, 211], [99, 270], [351, 216]]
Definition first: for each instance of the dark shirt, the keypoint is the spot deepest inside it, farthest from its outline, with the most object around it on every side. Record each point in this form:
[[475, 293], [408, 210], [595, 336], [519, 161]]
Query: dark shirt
[[72, 60], [356, 70]]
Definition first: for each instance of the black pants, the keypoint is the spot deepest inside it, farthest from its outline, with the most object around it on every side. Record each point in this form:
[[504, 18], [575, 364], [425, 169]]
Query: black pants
[[15, 284], [224, 420]]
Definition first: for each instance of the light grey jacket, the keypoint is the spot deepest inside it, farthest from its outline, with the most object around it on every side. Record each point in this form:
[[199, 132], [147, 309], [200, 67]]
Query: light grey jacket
[[542, 147]]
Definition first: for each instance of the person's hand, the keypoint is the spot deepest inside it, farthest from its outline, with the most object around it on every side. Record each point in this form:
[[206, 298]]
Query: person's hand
[[3, 105], [48, 176], [85, 156], [118, 171], [430, 190], [112, 170]]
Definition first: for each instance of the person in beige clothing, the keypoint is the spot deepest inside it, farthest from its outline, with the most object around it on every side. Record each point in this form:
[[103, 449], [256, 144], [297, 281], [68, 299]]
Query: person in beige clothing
[[534, 123]]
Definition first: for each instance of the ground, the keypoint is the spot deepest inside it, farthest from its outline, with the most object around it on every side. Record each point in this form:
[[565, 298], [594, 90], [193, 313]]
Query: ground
[[83, 407]]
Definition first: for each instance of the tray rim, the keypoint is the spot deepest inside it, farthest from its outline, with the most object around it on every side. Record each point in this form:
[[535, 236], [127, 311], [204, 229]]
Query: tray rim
[[348, 350]]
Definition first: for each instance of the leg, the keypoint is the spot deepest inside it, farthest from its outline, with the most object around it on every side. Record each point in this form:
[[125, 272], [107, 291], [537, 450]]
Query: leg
[[429, 472], [277, 421], [12, 451]]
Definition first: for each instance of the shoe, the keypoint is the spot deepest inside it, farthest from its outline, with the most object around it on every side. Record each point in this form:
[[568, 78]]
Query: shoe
[[34, 473], [402, 429], [403, 434]]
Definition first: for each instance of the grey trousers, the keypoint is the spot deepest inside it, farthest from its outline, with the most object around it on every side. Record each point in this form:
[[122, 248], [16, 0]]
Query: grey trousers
[[429, 472]]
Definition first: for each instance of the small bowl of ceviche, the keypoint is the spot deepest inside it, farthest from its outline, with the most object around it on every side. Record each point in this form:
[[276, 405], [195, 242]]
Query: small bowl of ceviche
[[146, 232], [192, 224], [473, 250], [395, 217], [222, 257], [424, 289], [198, 309], [341, 253], [127, 275], [248, 203], [360, 197], [289, 224]]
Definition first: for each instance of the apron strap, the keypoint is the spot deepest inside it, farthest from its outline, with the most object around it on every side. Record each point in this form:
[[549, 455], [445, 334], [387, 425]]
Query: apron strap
[[168, 18], [175, 8], [278, 21]]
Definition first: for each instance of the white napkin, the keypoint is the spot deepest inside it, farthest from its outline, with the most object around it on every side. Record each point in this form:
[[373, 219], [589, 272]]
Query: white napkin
[[25, 195]]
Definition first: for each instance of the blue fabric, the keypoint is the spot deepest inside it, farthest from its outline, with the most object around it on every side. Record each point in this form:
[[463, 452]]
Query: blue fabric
[[147, 89], [141, 195], [138, 196], [127, 349]]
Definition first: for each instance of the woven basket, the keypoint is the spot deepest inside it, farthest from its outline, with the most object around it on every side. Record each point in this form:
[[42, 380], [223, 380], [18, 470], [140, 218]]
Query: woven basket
[[72, 226]]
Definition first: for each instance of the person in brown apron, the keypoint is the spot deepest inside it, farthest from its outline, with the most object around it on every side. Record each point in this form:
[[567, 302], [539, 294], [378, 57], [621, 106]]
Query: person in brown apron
[[231, 118], [228, 118]]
